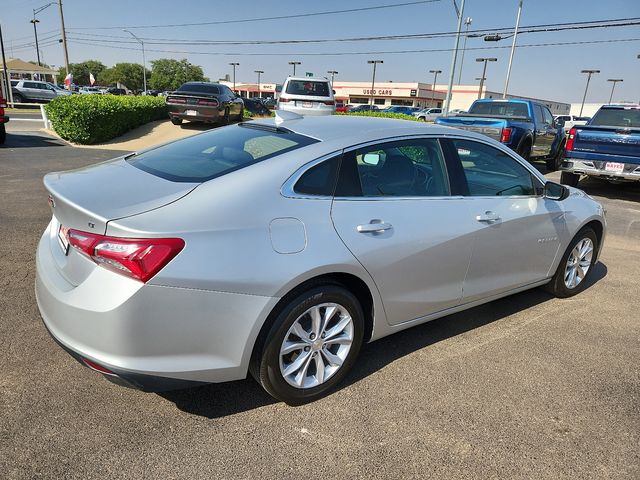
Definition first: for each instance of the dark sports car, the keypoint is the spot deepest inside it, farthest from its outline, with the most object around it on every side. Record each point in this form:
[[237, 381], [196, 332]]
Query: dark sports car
[[204, 102]]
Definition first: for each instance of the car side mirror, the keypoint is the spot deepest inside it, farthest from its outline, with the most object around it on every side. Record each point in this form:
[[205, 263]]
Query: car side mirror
[[555, 191], [559, 122], [371, 159]]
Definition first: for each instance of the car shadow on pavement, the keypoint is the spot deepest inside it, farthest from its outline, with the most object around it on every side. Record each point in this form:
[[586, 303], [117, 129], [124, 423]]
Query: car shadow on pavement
[[18, 140], [222, 399], [629, 191]]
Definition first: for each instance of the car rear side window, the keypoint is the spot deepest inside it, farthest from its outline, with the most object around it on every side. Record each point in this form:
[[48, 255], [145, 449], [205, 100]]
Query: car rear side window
[[199, 88], [320, 179], [309, 88], [215, 153], [617, 117]]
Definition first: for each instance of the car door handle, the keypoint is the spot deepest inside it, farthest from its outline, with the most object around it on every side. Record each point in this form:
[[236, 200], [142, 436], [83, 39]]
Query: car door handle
[[376, 226], [488, 217]]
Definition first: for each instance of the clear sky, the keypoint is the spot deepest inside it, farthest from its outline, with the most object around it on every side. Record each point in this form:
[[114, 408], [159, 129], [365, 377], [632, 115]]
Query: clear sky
[[551, 72]]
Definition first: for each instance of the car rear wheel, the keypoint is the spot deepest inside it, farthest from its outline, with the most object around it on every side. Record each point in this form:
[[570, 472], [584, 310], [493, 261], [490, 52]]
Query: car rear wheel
[[3, 133], [226, 119], [568, 178], [311, 346], [576, 265], [17, 98], [553, 163], [525, 150], [176, 121], [241, 116]]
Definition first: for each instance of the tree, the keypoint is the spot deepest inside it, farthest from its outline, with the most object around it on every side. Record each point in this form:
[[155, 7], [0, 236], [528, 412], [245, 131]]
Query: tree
[[128, 74], [81, 71], [169, 74]]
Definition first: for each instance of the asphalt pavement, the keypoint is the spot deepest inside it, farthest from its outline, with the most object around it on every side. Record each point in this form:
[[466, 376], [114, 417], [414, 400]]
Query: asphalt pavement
[[525, 387]]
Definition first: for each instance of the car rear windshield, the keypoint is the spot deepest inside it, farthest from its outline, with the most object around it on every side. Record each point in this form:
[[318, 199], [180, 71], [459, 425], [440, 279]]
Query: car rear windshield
[[304, 87], [617, 117], [503, 109], [197, 87], [218, 152]]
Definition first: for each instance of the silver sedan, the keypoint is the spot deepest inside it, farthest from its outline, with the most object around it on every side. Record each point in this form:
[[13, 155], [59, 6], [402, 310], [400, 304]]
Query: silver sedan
[[278, 247]]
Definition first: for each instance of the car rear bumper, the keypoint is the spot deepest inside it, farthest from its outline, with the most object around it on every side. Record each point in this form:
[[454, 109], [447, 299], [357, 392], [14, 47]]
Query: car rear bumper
[[596, 168], [203, 114], [313, 111], [149, 336]]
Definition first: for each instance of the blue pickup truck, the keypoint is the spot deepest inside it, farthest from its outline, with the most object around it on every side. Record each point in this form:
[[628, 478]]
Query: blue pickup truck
[[608, 146], [524, 126]]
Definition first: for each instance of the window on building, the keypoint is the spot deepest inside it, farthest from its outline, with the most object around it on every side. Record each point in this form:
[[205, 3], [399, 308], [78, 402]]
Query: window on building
[[358, 100], [401, 102], [379, 101]]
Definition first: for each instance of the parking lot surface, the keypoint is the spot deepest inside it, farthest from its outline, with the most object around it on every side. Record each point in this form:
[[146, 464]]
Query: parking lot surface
[[524, 387]]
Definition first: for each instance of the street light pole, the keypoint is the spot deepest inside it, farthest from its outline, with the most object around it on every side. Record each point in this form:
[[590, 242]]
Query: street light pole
[[433, 86], [513, 48], [373, 79], [467, 22], [452, 73], [259, 72], [332, 72], [484, 72], [144, 63], [294, 66], [234, 65], [589, 73], [614, 81]]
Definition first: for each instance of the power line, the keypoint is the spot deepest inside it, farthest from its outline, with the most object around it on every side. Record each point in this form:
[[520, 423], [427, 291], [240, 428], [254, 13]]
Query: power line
[[337, 54], [264, 19]]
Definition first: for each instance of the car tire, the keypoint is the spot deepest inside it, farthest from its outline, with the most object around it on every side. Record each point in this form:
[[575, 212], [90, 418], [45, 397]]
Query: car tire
[[569, 178], [580, 255], [3, 133], [17, 98], [524, 150], [226, 117], [241, 116], [553, 163], [276, 360], [176, 121]]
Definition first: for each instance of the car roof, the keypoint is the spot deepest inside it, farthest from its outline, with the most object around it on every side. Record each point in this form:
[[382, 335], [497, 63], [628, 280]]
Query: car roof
[[341, 127], [309, 79]]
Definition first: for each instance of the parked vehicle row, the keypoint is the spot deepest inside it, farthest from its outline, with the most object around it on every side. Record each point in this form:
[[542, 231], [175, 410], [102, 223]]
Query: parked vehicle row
[[184, 281], [525, 126]]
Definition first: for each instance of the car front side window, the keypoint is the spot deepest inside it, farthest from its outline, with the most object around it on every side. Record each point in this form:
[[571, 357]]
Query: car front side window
[[491, 172]]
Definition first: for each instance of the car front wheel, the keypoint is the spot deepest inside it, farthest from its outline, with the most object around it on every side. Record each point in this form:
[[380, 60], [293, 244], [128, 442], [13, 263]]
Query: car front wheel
[[311, 346], [576, 265], [3, 133]]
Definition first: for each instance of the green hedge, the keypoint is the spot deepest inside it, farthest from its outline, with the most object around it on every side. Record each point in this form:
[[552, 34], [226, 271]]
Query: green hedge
[[398, 116], [88, 119]]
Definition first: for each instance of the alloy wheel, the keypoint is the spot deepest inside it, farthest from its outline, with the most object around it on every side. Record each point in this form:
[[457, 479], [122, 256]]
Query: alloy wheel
[[578, 263]]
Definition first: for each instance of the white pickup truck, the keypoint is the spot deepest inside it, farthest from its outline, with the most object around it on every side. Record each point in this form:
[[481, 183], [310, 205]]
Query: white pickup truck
[[571, 121]]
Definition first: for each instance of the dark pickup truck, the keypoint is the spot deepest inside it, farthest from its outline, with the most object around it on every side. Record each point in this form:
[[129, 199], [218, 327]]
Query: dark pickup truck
[[608, 146], [526, 127]]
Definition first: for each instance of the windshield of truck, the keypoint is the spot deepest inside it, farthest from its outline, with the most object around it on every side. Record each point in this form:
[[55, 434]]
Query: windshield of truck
[[502, 109], [617, 117]]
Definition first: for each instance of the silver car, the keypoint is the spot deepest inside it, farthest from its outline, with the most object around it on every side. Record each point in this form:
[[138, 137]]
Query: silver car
[[278, 247]]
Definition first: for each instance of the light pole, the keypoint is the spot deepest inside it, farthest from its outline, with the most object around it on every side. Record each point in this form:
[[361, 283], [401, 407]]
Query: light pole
[[144, 63], [259, 72], [513, 48], [332, 72], [589, 73], [373, 79], [433, 86], [452, 73], [294, 66], [467, 22], [234, 65], [614, 81], [484, 72], [35, 32]]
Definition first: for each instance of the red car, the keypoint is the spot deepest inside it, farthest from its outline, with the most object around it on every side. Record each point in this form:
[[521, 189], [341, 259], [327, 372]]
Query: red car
[[3, 119], [341, 107]]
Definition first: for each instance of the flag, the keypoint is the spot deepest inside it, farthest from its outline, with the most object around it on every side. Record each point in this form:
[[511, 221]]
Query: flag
[[92, 79], [68, 80]]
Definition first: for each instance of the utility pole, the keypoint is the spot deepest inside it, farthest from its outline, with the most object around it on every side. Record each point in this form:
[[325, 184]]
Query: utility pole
[[144, 63], [35, 33], [614, 81], [234, 65], [7, 85], [332, 72], [433, 86], [484, 72], [589, 73], [259, 72], [445, 110], [64, 40], [467, 22], [513, 48], [294, 66], [373, 79]]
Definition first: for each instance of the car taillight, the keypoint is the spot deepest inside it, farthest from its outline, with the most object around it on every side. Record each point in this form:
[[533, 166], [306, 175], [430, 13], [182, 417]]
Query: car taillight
[[176, 100], [571, 139], [283, 100], [138, 258], [208, 103], [329, 103], [505, 135]]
